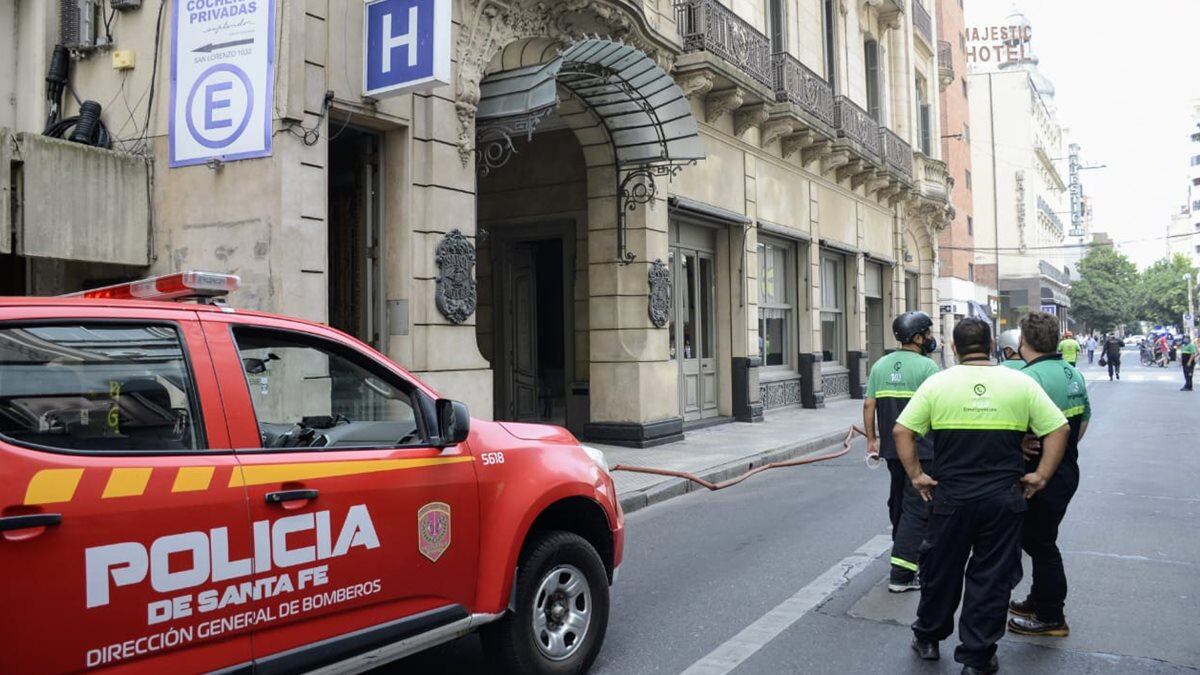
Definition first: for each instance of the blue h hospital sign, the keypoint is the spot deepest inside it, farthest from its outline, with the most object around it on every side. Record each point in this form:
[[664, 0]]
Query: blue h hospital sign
[[406, 46]]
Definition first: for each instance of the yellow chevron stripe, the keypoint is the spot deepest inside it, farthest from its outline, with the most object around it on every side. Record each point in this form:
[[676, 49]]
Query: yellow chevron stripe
[[127, 482], [263, 474], [193, 478], [52, 486]]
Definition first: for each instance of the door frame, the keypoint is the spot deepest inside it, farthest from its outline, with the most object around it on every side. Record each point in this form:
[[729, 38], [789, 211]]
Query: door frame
[[678, 248], [502, 235]]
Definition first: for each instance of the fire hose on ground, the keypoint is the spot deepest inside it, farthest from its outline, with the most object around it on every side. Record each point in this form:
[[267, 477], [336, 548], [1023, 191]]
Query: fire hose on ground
[[872, 461]]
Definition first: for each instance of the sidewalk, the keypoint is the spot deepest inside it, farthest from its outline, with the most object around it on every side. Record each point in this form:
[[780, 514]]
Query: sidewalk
[[726, 450]]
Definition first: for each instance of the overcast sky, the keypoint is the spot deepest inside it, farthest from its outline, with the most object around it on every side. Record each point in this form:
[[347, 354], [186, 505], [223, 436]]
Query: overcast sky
[[1125, 74]]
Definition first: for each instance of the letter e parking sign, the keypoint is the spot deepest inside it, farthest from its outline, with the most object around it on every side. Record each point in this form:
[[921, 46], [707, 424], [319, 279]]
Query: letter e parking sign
[[406, 46]]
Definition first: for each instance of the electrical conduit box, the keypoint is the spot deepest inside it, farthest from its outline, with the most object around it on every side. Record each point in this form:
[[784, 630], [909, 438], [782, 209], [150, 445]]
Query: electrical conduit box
[[122, 59]]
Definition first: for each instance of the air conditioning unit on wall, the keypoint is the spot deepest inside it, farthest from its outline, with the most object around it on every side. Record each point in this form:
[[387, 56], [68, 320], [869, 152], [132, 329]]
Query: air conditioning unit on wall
[[77, 24]]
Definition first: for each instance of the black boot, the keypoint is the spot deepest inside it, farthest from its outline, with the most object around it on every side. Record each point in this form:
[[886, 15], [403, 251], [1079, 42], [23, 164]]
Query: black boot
[[926, 650], [992, 666], [1031, 625], [1022, 607]]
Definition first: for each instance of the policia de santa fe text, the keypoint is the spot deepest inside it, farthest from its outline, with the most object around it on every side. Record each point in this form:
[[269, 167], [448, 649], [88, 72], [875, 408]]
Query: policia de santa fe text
[[978, 488]]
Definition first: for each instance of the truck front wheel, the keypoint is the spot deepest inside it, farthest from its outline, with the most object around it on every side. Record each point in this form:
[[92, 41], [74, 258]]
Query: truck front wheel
[[561, 609]]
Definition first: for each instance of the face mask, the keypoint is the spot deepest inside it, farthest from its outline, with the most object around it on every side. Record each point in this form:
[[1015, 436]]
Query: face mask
[[929, 345]]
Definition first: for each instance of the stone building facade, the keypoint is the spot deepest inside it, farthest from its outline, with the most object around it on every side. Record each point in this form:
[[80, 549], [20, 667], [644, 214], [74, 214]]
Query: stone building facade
[[552, 262]]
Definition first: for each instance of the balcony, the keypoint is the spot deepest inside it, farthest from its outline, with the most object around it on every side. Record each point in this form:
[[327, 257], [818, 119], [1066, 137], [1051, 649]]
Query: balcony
[[934, 179], [795, 83], [1050, 214], [709, 26], [897, 154], [945, 61], [922, 22], [857, 126]]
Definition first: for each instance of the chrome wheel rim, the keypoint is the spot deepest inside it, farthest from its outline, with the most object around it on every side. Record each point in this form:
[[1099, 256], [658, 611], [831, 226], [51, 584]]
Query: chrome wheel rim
[[562, 612]]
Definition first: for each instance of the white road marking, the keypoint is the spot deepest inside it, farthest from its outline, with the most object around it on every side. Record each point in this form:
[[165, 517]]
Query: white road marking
[[771, 625]]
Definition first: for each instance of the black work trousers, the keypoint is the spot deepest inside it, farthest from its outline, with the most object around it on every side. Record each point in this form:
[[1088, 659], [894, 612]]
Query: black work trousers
[[1114, 366], [982, 537], [1188, 368], [1039, 538], [910, 516]]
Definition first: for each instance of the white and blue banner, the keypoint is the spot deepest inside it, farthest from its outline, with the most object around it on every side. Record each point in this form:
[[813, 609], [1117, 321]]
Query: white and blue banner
[[406, 46], [222, 76]]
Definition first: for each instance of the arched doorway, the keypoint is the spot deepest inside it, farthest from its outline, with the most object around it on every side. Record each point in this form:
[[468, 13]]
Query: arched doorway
[[570, 142]]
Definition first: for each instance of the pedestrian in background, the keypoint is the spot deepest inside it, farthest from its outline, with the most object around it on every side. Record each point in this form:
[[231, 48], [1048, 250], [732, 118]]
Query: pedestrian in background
[[978, 488], [1112, 356], [1069, 348], [1187, 359], [893, 381], [1091, 349], [1041, 612]]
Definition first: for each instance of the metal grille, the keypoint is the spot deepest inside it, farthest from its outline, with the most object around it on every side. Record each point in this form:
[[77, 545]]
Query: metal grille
[[922, 22], [795, 83], [854, 123], [707, 25], [896, 152]]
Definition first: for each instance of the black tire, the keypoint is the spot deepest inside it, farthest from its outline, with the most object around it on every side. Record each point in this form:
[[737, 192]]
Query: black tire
[[511, 641]]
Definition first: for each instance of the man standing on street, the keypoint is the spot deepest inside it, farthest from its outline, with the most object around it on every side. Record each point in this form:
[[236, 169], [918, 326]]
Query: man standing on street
[[1041, 613], [1187, 359], [1112, 355], [978, 487], [894, 378], [1091, 349], [1069, 348]]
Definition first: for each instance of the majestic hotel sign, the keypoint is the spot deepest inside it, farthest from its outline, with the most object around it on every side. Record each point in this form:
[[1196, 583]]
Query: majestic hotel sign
[[994, 45]]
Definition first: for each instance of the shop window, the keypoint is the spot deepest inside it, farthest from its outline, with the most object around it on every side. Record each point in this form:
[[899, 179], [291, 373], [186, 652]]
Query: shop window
[[775, 305], [833, 317]]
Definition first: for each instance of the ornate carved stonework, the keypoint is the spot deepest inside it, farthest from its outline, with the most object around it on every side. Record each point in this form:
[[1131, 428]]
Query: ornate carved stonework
[[720, 102], [455, 291], [779, 393], [749, 116], [659, 278], [695, 84], [489, 25], [793, 143], [836, 385], [776, 129]]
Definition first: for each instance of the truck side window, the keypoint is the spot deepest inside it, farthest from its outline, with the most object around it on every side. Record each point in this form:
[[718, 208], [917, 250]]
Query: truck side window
[[312, 393], [97, 387]]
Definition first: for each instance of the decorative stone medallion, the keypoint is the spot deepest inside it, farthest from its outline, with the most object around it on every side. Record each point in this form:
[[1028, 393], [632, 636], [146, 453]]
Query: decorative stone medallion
[[455, 293], [659, 278]]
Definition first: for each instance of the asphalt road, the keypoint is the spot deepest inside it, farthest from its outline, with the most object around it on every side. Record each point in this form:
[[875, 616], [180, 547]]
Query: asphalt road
[[703, 568]]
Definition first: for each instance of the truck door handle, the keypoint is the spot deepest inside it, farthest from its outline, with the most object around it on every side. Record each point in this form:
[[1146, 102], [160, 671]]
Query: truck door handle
[[291, 496], [29, 521]]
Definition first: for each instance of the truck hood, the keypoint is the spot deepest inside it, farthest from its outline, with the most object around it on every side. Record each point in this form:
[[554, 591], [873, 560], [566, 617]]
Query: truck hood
[[544, 433]]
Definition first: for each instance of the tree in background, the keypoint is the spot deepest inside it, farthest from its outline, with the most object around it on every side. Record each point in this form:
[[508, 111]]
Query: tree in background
[[1162, 293], [1104, 295]]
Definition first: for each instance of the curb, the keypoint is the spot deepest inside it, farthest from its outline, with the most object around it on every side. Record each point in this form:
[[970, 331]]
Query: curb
[[670, 488]]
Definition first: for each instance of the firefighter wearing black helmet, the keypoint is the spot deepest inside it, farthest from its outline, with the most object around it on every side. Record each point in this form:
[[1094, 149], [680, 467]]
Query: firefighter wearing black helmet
[[894, 378]]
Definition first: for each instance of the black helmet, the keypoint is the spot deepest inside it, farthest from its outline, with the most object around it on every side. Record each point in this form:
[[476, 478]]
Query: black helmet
[[909, 325]]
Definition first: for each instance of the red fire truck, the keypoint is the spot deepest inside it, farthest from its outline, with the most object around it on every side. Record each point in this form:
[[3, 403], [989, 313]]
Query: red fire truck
[[189, 487]]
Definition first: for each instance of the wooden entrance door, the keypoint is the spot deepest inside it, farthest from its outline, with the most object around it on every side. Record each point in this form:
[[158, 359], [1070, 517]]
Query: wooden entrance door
[[520, 340], [695, 332]]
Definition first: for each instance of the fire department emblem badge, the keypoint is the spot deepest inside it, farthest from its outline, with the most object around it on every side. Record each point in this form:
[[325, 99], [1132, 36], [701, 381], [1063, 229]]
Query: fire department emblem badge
[[433, 529]]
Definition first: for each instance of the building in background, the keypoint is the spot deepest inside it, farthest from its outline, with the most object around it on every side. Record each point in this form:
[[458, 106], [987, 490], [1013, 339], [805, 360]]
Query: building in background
[[965, 288], [1019, 191], [1183, 230], [716, 212]]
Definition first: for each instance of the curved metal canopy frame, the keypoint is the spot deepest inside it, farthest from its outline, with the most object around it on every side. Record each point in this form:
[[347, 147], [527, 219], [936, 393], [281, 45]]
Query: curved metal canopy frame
[[647, 117]]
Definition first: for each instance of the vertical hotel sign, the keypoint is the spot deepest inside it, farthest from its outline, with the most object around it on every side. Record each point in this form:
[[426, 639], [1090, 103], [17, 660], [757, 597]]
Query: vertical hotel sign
[[222, 75]]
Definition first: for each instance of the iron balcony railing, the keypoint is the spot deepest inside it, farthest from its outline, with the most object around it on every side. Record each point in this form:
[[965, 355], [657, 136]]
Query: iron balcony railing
[[922, 21], [945, 55], [854, 123], [896, 152], [707, 25], [795, 83]]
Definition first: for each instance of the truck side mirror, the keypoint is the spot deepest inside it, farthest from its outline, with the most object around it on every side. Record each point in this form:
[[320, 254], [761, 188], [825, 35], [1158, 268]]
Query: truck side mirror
[[453, 420]]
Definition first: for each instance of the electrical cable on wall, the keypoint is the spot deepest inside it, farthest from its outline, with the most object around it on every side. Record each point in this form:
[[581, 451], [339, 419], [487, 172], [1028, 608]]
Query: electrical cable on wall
[[86, 127]]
